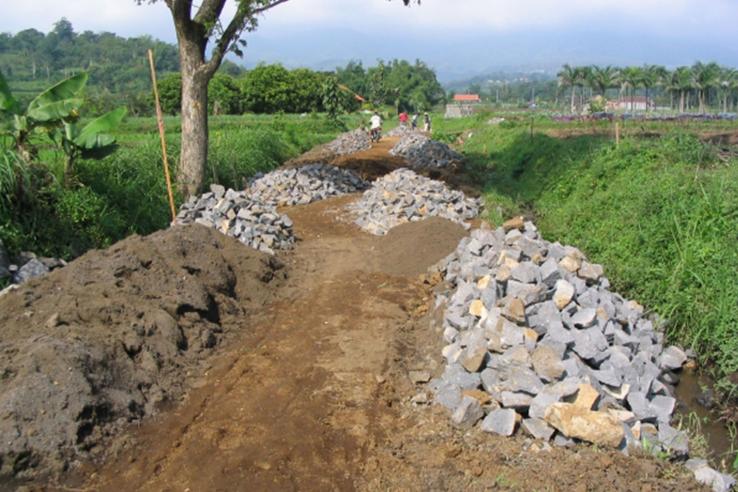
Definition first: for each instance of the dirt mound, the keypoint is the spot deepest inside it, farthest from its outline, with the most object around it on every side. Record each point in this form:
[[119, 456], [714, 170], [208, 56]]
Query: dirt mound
[[409, 249], [113, 336]]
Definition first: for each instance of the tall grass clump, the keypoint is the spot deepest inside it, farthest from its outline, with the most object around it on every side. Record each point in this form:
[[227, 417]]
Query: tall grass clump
[[660, 214]]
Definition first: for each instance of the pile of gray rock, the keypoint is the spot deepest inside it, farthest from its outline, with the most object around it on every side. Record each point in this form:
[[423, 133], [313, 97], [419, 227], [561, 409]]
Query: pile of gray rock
[[237, 214], [303, 185], [26, 266], [403, 130], [350, 142], [536, 340], [404, 196], [422, 152]]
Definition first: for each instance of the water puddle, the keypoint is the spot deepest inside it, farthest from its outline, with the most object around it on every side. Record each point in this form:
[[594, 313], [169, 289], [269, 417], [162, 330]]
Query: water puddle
[[696, 397]]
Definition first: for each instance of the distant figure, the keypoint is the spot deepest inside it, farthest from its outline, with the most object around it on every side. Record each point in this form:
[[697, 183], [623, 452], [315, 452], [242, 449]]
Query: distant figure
[[415, 121], [426, 123], [375, 127], [403, 118]]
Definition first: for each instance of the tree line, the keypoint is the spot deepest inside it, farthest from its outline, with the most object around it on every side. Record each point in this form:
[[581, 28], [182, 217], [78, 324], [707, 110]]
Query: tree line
[[695, 88], [272, 88]]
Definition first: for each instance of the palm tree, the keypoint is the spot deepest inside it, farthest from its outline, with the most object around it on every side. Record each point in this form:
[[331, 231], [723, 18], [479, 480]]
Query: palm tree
[[582, 80], [652, 76], [680, 82], [604, 78], [631, 78], [705, 77], [728, 83], [567, 78]]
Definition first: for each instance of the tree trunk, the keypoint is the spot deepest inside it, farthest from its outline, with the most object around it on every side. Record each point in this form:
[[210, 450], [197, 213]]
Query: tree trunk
[[702, 101], [681, 101], [194, 154], [573, 96], [194, 109]]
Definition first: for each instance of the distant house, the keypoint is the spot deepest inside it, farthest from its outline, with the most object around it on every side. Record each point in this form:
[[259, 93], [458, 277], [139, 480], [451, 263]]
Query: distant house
[[626, 103], [467, 99], [463, 105]]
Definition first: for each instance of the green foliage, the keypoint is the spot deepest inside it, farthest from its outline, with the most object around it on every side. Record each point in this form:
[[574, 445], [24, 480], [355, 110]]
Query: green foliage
[[31, 59], [170, 93], [223, 95], [660, 214]]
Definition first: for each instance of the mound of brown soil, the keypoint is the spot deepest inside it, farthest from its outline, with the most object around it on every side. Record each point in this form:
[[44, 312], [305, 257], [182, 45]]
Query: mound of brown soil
[[108, 339], [409, 249]]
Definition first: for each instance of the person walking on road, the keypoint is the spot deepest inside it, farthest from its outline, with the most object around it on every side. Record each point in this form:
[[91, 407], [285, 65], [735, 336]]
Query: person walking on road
[[403, 118], [375, 125], [426, 123], [414, 122]]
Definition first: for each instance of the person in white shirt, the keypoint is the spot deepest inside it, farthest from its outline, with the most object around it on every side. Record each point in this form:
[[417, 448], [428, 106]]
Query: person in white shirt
[[375, 125]]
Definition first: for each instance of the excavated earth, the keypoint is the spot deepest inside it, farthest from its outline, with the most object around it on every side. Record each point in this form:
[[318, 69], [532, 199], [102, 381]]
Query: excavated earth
[[309, 386]]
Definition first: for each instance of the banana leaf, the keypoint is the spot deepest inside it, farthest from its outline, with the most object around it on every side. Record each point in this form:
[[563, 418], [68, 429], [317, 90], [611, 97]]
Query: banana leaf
[[94, 134], [55, 110], [59, 100]]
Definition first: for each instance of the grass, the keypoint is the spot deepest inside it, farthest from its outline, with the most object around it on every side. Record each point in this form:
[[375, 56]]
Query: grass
[[660, 213], [125, 193]]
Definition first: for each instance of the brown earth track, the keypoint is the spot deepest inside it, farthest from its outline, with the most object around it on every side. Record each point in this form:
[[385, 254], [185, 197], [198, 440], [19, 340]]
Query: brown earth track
[[318, 397], [315, 394]]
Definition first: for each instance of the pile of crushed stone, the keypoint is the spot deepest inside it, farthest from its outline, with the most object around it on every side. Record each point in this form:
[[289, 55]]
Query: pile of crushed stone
[[537, 341], [107, 339], [350, 142], [404, 196], [422, 152], [238, 214], [303, 185], [403, 130]]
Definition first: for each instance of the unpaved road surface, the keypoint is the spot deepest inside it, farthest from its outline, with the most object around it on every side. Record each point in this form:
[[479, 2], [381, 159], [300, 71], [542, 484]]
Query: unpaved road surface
[[318, 397], [314, 393]]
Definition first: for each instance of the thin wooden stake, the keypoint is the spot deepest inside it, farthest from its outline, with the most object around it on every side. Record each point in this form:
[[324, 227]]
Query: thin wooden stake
[[617, 134], [160, 121]]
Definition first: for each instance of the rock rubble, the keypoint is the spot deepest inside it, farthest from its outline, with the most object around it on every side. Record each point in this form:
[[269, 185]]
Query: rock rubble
[[535, 325], [350, 142], [303, 185], [25, 266], [237, 214], [403, 130], [422, 152], [404, 196]]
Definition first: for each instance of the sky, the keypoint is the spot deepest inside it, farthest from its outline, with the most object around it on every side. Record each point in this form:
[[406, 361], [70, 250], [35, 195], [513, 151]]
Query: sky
[[459, 38]]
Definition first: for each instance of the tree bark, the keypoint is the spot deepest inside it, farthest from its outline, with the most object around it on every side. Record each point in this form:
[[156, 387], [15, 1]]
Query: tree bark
[[681, 101], [194, 152], [573, 96]]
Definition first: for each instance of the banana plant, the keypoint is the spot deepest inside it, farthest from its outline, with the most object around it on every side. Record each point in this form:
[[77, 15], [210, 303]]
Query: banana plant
[[48, 111], [92, 141]]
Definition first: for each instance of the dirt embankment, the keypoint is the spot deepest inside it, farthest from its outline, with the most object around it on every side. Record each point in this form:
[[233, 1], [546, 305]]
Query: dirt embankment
[[114, 336]]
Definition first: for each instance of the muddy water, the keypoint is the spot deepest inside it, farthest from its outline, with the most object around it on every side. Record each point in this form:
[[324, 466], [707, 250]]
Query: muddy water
[[690, 394]]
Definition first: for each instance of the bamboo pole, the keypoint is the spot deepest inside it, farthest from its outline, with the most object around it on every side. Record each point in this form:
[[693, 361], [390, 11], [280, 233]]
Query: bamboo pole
[[160, 122]]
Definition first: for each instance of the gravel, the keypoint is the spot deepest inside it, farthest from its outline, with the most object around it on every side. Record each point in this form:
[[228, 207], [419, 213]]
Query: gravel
[[239, 215], [404, 196], [303, 185], [422, 152], [537, 322], [350, 142]]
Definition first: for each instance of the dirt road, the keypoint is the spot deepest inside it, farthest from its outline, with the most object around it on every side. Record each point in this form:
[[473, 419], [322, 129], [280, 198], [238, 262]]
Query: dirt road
[[318, 397]]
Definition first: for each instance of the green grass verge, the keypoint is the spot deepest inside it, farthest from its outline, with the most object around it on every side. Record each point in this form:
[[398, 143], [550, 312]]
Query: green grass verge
[[661, 214]]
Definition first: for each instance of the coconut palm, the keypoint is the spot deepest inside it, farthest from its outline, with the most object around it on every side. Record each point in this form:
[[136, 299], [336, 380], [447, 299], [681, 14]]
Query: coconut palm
[[681, 82], [582, 80], [705, 76], [728, 84], [567, 78], [652, 76], [631, 78], [604, 78]]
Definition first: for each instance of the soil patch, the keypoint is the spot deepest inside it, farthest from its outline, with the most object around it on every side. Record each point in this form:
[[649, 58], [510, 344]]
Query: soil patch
[[114, 336]]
